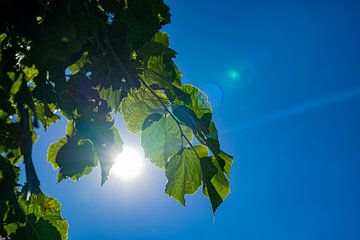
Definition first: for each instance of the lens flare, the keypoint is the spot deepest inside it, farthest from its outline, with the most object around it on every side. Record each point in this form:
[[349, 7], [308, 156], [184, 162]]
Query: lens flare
[[234, 74], [239, 74]]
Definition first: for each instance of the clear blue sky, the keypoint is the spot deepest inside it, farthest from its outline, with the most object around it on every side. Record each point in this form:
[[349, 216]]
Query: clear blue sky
[[285, 84]]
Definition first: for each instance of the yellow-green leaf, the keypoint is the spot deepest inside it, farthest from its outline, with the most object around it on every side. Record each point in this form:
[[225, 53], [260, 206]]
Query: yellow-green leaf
[[162, 139], [183, 172], [138, 105]]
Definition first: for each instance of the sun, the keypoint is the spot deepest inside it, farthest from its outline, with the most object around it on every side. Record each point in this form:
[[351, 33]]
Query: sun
[[128, 164]]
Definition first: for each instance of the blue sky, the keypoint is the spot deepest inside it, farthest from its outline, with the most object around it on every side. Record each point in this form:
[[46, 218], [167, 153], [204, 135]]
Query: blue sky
[[284, 80]]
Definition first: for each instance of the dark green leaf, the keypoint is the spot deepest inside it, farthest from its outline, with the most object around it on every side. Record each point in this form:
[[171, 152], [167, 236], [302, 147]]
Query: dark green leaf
[[36, 229], [46, 208], [75, 158], [9, 176]]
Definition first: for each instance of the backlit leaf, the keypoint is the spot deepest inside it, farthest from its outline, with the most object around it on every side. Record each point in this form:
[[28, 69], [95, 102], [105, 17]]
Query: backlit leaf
[[106, 155], [162, 139], [75, 158], [183, 172], [88, 60], [138, 105], [215, 183], [199, 100]]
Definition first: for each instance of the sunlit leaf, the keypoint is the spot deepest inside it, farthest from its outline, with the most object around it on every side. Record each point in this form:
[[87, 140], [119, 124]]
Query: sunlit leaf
[[30, 73], [54, 150], [16, 85], [162, 139], [199, 100], [88, 60], [216, 185], [161, 72], [106, 155], [138, 105], [80, 63], [45, 115], [162, 38], [183, 172]]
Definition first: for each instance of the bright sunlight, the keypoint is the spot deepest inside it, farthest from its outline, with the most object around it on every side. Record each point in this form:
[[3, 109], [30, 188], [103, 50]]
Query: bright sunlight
[[128, 164]]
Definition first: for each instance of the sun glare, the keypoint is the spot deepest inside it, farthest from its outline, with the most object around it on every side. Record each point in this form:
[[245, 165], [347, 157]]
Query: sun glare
[[128, 164]]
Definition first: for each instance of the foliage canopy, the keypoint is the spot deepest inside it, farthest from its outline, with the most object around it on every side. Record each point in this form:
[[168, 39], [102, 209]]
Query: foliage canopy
[[84, 60]]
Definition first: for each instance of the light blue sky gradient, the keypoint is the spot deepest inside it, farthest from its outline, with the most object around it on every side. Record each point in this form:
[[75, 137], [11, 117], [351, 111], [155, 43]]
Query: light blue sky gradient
[[290, 117]]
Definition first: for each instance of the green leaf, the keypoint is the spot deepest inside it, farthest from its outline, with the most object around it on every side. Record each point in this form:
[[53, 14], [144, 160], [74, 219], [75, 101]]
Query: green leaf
[[112, 97], [161, 72], [145, 18], [58, 37], [54, 150], [130, 61], [118, 143], [162, 139], [45, 115], [75, 157], [151, 49], [2, 38], [46, 208], [228, 162], [36, 230], [151, 119], [204, 129], [106, 155], [9, 175], [16, 85], [183, 172], [30, 73], [69, 130], [199, 100], [162, 38], [216, 185], [11, 228], [138, 105], [80, 63], [98, 130]]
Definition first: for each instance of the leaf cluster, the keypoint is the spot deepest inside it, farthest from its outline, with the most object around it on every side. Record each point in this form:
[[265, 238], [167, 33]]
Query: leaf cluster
[[87, 60]]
